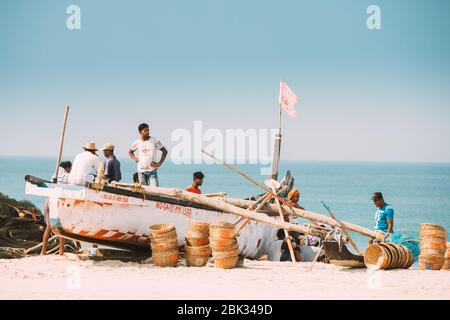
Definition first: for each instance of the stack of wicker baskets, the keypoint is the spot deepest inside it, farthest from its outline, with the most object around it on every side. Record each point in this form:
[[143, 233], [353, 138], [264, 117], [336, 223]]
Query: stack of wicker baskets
[[388, 256], [432, 246], [164, 244], [197, 249], [222, 236], [446, 265]]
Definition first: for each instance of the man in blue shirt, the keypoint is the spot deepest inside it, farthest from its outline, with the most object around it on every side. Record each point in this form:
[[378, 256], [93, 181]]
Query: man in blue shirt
[[384, 216], [111, 165]]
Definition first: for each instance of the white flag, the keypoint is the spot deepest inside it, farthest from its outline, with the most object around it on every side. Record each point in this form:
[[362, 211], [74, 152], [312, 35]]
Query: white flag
[[288, 99]]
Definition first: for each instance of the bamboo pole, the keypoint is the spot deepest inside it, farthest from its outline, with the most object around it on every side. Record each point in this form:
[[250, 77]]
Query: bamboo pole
[[299, 212], [222, 206], [247, 178], [270, 208], [265, 198], [343, 229], [61, 143], [219, 194], [267, 208], [286, 233]]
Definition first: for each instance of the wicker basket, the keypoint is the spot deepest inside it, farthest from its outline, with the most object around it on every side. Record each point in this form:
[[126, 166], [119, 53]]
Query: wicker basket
[[221, 224], [196, 261], [431, 262], [225, 260], [164, 246], [429, 230], [200, 226], [166, 259], [203, 251], [160, 229]]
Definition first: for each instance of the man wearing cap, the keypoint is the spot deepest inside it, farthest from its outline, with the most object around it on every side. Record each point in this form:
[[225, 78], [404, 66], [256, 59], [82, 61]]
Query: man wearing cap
[[147, 146], [384, 216], [85, 165], [111, 165]]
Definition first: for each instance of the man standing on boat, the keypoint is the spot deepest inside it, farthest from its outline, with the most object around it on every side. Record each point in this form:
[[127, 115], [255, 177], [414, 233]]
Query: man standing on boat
[[384, 216], [111, 165], [197, 182], [85, 165], [146, 146]]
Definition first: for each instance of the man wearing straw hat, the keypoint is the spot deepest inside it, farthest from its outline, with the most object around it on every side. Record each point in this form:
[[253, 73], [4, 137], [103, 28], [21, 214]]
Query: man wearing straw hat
[[85, 165]]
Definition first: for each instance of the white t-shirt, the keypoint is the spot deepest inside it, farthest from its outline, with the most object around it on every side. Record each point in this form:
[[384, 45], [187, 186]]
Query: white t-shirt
[[63, 175], [83, 166], [147, 153]]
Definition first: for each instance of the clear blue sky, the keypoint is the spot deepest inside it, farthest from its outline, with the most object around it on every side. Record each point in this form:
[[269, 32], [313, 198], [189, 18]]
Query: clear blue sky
[[378, 95]]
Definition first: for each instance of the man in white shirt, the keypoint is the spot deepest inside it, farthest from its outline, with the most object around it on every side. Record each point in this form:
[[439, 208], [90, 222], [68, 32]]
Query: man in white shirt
[[85, 165], [63, 173], [146, 147]]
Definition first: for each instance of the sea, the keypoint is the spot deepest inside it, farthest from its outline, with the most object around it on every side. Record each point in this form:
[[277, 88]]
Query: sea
[[418, 192]]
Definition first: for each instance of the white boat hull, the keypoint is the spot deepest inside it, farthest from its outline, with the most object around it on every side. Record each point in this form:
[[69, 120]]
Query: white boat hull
[[123, 221]]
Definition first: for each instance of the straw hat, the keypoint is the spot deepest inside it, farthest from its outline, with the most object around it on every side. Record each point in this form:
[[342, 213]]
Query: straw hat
[[108, 146], [90, 146]]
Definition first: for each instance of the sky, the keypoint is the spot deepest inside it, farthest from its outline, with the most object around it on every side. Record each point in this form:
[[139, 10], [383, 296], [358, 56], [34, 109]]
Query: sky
[[366, 95]]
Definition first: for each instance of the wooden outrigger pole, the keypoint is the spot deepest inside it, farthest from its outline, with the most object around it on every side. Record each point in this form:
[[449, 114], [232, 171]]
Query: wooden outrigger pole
[[61, 144], [289, 209]]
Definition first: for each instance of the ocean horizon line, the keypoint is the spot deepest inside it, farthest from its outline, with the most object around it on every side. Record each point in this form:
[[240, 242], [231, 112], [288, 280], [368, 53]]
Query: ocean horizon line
[[126, 158]]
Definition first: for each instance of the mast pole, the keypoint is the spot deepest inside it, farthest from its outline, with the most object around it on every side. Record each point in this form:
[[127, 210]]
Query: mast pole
[[277, 146]]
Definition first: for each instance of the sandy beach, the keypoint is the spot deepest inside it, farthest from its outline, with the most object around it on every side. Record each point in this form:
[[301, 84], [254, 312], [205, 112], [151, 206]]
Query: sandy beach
[[68, 277]]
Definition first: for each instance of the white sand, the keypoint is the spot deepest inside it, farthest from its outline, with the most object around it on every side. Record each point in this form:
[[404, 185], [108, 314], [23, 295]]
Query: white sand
[[67, 277]]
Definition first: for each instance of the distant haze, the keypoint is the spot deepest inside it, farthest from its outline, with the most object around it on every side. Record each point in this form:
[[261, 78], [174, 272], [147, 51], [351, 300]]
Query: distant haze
[[366, 95]]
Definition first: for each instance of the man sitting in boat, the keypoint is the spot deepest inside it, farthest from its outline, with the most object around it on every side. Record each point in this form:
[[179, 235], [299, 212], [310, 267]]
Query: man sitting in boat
[[111, 165], [197, 182], [146, 146], [63, 173], [85, 165]]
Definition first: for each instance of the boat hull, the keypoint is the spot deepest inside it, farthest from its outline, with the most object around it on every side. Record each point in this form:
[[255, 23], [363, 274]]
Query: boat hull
[[121, 218]]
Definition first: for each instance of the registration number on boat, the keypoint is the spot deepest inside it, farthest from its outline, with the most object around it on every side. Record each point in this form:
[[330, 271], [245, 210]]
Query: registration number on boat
[[173, 208], [114, 197]]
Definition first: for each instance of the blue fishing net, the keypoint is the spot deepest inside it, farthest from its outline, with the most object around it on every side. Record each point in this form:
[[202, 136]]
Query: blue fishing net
[[408, 239]]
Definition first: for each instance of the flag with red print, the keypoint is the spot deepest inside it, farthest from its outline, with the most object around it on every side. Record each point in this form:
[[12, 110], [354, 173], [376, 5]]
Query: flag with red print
[[288, 99]]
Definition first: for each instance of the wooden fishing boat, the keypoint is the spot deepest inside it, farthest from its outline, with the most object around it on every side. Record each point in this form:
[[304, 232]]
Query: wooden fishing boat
[[339, 255], [120, 217]]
